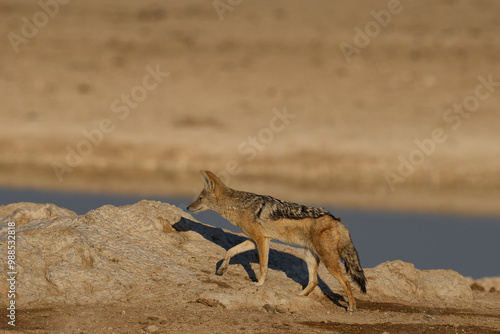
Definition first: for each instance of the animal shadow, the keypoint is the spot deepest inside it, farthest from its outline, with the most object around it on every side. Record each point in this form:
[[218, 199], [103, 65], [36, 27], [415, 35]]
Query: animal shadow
[[295, 268]]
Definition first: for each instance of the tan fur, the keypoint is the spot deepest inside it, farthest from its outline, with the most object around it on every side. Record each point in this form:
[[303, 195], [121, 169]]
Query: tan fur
[[323, 237]]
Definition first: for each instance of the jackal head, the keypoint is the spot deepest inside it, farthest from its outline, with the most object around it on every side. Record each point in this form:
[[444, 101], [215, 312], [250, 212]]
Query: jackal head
[[207, 199]]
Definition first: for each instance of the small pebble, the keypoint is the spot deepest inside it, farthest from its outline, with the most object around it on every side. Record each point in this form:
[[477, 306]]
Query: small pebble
[[151, 329]]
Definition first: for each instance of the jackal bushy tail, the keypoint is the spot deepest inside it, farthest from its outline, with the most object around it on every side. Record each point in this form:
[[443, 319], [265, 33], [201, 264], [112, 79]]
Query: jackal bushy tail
[[351, 260]]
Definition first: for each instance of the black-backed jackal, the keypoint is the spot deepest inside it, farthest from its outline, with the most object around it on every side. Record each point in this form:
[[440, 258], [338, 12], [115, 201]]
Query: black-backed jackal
[[263, 218]]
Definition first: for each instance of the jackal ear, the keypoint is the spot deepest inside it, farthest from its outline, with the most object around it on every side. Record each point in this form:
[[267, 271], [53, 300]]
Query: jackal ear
[[208, 181]]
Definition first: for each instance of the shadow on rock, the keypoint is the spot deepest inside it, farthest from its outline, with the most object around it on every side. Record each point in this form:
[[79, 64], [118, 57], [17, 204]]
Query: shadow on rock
[[294, 267]]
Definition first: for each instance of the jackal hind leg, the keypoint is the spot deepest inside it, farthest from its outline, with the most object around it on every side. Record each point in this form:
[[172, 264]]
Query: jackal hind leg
[[240, 248], [333, 265], [312, 261]]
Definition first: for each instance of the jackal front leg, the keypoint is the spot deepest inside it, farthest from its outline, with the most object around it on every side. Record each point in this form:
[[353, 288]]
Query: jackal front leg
[[240, 248], [263, 248]]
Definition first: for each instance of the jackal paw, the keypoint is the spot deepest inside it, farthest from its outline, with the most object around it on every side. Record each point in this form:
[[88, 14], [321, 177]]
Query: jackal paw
[[303, 293], [258, 283], [222, 269]]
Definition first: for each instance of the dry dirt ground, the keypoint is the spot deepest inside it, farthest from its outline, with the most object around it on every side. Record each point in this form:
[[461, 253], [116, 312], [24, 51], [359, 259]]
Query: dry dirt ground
[[170, 316], [81, 110]]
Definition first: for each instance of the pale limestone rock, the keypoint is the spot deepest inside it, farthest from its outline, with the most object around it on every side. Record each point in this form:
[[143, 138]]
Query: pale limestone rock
[[401, 280], [490, 284], [153, 250]]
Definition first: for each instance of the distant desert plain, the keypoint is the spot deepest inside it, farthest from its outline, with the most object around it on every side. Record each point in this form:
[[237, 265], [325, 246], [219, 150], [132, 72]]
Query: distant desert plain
[[382, 104]]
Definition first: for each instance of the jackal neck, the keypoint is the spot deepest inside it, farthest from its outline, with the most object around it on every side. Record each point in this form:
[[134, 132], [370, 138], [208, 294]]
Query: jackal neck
[[231, 204]]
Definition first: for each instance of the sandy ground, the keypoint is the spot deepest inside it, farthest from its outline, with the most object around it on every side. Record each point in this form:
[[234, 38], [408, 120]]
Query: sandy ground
[[169, 316], [289, 99]]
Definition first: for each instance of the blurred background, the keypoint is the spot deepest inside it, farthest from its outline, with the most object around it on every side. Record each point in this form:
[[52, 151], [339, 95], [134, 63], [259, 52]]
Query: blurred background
[[355, 105], [318, 101]]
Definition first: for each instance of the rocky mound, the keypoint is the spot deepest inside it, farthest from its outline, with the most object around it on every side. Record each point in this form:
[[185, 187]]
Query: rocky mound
[[156, 250]]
